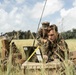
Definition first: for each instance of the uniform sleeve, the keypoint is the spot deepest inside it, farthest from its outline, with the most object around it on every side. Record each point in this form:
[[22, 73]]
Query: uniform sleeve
[[63, 48], [39, 34]]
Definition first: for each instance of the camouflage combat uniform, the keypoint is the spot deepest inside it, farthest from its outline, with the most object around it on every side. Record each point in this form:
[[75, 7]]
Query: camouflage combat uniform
[[58, 50], [55, 47], [41, 37], [54, 50]]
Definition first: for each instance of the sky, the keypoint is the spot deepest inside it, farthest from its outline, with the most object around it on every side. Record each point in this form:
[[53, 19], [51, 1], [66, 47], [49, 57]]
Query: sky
[[25, 14]]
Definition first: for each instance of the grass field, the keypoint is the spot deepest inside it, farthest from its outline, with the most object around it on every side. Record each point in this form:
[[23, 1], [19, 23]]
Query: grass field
[[20, 43], [71, 44]]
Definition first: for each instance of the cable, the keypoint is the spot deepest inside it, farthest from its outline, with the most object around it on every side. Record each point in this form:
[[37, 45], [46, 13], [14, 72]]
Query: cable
[[41, 15], [39, 24], [40, 21]]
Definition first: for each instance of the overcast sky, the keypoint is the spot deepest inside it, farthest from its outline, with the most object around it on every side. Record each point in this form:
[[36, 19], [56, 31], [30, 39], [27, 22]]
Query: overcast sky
[[25, 14]]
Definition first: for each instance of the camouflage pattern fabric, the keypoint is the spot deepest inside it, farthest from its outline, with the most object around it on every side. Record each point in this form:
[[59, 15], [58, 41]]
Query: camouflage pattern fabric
[[42, 33], [54, 50], [58, 50]]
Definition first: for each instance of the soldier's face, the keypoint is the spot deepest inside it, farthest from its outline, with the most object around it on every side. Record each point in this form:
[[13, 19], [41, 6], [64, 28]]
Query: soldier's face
[[52, 35]]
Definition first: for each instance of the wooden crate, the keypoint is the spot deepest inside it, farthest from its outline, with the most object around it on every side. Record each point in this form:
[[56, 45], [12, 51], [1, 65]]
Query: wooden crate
[[32, 68]]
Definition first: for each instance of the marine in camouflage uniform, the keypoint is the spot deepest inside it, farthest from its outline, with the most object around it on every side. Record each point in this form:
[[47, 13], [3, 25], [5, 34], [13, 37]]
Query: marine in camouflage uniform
[[42, 34], [58, 50], [57, 47], [42, 38]]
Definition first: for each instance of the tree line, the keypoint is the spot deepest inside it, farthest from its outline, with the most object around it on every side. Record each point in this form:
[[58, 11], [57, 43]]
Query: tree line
[[20, 34], [70, 34]]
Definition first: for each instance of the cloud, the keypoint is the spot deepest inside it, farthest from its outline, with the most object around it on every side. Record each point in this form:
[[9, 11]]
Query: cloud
[[69, 18], [7, 5], [64, 12], [24, 17], [10, 21], [52, 6], [13, 12], [7, 1], [74, 4], [3, 20], [20, 1], [21, 18], [3, 16], [16, 19]]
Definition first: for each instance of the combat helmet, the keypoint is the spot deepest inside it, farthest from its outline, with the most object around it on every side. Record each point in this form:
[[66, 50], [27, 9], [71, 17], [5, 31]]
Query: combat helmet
[[45, 25]]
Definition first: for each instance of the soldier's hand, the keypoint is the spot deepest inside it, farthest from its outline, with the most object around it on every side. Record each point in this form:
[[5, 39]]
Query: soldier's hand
[[45, 57]]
